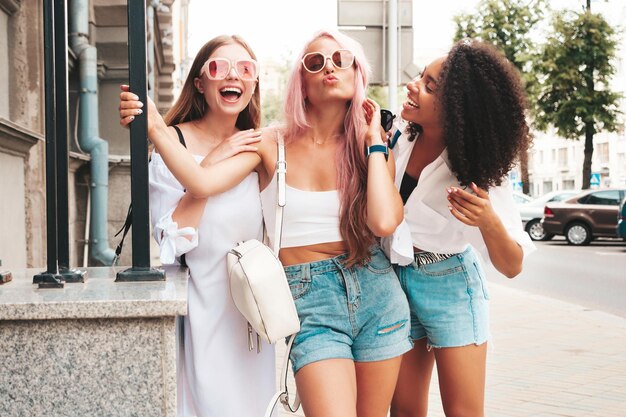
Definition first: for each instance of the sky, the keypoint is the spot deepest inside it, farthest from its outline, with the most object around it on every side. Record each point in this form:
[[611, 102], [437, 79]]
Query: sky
[[272, 35], [277, 29]]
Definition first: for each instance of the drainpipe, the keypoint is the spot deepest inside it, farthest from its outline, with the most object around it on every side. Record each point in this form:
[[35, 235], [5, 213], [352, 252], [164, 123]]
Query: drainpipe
[[89, 131]]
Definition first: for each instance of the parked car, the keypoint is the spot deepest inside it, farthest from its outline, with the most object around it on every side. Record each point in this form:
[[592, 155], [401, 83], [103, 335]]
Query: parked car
[[521, 198], [585, 216], [621, 220], [532, 212]]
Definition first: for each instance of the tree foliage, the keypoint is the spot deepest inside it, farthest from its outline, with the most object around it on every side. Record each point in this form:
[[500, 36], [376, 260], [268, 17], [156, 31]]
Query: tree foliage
[[506, 24], [576, 67]]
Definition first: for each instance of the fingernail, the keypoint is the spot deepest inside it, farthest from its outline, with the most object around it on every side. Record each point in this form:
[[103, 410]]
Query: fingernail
[[139, 111], [140, 104], [132, 117], [449, 190], [474, 184], [449, 207], [135, 97]]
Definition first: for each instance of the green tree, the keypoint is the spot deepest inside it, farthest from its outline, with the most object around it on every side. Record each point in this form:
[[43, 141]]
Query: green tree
[[507, 24], [273, 82], [576, 67]]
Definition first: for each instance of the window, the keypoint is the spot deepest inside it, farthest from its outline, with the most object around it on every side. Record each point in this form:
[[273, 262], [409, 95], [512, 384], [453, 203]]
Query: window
[[568, 185], [602, 150], [608, 198], [547, 186], [563, 196], [553, 156], [563, 157]]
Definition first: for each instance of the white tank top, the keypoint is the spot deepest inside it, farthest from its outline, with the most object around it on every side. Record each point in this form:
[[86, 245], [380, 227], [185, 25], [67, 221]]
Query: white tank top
[[309, 217]]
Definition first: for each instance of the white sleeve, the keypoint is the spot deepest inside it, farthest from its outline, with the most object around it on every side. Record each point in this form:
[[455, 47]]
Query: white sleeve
[[501, 198], [165, 194]]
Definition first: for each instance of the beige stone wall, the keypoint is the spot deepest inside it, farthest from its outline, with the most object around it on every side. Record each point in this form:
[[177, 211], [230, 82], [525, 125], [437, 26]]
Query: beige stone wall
[[12, 243], [26, 110]]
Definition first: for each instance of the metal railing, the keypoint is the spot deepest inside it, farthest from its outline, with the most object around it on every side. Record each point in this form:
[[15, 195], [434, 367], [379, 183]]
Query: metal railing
[[56, 114]]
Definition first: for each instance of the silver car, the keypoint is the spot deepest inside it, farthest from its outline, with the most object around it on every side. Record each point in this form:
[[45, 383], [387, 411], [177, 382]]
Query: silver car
[[532, 212]]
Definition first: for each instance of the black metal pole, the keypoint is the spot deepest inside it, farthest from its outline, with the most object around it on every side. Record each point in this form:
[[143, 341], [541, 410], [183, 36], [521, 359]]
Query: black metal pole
[[137, 70], [62, 135], [50, 278]]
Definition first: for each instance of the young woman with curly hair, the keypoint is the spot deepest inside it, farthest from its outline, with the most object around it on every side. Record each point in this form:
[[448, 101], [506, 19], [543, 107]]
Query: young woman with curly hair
[[466, 127]]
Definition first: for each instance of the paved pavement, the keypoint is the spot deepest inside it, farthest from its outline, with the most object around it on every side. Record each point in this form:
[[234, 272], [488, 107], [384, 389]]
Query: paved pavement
[[548, 358]]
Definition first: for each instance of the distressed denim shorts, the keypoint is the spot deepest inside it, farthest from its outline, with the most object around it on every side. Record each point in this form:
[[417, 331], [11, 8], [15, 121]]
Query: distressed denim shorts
[[358, 313], [449, 300]]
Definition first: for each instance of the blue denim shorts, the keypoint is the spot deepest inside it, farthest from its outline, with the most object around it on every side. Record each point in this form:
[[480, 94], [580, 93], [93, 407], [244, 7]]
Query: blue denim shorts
[[449, 300], [358, 313]]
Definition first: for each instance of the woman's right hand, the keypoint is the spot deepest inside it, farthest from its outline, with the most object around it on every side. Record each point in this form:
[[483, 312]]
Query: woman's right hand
[[239, 142], [130, 106]]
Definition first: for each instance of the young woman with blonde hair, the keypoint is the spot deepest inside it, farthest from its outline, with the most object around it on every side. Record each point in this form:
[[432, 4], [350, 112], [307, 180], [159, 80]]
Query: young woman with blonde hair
[[216, 116]]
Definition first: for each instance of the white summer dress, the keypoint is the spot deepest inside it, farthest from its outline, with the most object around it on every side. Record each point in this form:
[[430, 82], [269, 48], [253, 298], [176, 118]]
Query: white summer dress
[[217, 375]]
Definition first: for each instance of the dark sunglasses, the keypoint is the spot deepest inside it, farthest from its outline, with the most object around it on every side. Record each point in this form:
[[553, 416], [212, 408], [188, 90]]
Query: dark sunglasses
[[386, 119]]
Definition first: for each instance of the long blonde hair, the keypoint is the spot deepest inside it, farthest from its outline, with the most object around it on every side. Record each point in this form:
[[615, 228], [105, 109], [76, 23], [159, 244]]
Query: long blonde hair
[[191, 105], [351, 161]]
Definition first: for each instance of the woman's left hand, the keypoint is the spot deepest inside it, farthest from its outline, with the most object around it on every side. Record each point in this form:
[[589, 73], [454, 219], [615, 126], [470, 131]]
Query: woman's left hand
[[473, 210], [375, 133]]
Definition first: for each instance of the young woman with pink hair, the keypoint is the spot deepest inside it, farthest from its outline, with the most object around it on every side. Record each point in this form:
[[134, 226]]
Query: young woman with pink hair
[[340, 198]]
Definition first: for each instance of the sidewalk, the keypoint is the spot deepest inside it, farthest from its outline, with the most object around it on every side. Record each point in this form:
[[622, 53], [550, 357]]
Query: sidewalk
[[547, 359]]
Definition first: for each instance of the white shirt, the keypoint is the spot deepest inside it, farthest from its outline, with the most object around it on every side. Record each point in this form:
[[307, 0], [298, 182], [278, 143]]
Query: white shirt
[[428, 223]]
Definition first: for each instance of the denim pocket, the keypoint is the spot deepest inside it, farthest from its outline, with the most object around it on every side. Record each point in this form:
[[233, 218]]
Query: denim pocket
[[298, 284], [379, 264], [448, 266], [481, 278]]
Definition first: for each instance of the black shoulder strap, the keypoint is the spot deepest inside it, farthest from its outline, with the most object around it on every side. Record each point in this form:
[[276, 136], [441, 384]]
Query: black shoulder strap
[[181, 138]]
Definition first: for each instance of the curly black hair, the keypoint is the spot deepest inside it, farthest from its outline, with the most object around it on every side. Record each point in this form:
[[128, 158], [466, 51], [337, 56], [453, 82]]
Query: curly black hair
[[483, 107]]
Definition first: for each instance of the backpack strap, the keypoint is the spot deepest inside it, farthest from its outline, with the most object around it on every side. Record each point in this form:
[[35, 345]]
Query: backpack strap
[[283, 393]]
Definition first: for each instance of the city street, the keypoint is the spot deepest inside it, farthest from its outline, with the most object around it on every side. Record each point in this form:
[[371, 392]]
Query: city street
[[592, 276]]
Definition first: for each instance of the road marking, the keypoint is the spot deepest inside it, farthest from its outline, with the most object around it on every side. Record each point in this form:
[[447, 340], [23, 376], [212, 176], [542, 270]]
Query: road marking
[[608, 253]]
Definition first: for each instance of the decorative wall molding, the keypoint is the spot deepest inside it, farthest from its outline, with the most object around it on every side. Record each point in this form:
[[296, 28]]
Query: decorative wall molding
[[17, 140], [10, 6]]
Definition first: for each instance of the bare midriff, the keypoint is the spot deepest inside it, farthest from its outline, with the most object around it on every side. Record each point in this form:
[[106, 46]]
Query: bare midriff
[[311, 253]]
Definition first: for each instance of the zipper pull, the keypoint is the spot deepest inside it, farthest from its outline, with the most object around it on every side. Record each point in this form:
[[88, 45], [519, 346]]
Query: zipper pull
[[258, 343], [250, 341]]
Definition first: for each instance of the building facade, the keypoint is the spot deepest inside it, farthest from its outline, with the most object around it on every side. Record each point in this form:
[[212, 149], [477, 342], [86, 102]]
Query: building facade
[[22, 136]]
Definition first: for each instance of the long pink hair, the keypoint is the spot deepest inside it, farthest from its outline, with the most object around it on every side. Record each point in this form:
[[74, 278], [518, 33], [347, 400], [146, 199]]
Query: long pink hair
[[351, 161]]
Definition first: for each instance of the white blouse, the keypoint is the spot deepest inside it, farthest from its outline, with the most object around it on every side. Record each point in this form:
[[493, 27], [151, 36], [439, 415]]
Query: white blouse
[[428, 223], [165, 193], [215, 368]]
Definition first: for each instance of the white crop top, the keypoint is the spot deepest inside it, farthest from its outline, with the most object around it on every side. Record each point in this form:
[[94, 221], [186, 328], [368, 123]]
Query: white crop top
[[309, 217]]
